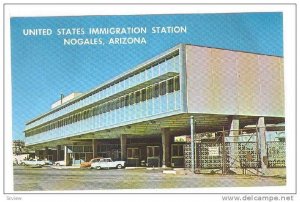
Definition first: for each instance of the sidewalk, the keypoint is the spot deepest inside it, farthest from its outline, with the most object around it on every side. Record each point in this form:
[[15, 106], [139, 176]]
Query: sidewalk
[[66, 167]]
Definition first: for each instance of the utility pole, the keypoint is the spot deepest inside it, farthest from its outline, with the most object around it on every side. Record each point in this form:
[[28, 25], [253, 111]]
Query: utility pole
[[192, 122]]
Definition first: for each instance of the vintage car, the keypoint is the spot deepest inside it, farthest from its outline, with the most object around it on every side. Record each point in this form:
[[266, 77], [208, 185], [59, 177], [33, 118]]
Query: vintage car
[[33, 162], [89, 163], [108, 163], [60, 163]]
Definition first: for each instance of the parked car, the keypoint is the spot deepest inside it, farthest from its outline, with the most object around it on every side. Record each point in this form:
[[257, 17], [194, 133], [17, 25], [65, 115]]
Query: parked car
[[33, 162], [89, 163], [108, 163], [48, 162], [60, 163]]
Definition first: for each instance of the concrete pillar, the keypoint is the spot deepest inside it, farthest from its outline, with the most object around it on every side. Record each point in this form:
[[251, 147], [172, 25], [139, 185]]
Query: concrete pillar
[[46, 153], [123, 147], [165, 135], [94, 145], [58, 150], [193, 131], [66, 156], [262, 144], [234, 133]]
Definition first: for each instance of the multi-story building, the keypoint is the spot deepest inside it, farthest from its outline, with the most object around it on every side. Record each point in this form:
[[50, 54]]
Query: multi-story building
[[137, 115]]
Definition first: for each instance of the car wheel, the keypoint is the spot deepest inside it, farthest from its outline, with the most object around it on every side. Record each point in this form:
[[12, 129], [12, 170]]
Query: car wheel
[[23, 164], [119, 166], [57, 164], [98, 167]]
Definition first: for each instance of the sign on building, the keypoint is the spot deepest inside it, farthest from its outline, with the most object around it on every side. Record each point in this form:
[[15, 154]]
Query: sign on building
[[182, 138], [206, 136]]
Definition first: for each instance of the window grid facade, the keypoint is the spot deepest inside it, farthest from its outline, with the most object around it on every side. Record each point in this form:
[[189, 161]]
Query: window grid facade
[[169, 64], [134, 105]]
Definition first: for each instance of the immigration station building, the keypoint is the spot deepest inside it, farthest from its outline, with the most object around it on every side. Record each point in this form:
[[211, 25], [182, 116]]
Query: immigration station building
[[143, 116]]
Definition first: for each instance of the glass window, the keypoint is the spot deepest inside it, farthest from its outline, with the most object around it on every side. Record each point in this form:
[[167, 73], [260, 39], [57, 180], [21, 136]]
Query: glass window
[[163, 88], [77, 148], [143, 94], [97, 110], [126, 100], [156, 90], [118, 103], [122, 101], [131, 98], [156, 151], [150, 151], [104, 107], [82, 156], [112, 105], [129, 153], [180, 150], [149, 92], [177, 84], [101, 109], [137, 97], [170, 85], [177, 150], [108, 105], [88, 149]]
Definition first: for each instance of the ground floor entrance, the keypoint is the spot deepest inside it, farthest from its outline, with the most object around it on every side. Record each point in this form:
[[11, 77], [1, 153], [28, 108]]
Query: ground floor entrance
[[218, 144]]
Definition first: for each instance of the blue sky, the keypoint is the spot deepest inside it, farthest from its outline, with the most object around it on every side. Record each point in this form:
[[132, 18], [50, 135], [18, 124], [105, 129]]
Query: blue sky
[[43, 68]]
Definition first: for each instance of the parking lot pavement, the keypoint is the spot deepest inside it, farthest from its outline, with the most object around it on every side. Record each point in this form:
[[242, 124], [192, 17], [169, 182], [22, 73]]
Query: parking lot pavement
[[49, 179]]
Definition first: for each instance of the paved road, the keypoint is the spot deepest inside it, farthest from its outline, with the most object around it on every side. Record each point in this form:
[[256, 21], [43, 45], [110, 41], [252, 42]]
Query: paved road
[[50, 179]]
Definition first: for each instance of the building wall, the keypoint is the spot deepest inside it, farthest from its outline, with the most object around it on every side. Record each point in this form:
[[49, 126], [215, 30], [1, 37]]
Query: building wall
[[91, 118], [234, 83]]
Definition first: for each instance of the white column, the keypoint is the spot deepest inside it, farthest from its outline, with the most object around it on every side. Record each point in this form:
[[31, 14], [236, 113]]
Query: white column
[[262, 144], [234, 152]]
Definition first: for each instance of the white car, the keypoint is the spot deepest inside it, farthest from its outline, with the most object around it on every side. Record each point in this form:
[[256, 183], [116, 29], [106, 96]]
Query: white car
[[33, 162], [108, 163], [60, 163]]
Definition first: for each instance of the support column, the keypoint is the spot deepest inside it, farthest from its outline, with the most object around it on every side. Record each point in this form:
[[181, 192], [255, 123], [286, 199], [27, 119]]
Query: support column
[[66, 156], [58, 150], [94, 145], [123, 147], [234, 133], [193, 131], [165, 135], [262, 144], [46, 153]]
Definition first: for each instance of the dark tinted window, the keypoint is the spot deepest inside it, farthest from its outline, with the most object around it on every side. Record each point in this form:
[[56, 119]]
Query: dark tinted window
[[163, 88], [137, 97], [126, 100], [149, 92], [170, 85], [156, 90], [132, 98], [143, 94], [177, 84]]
